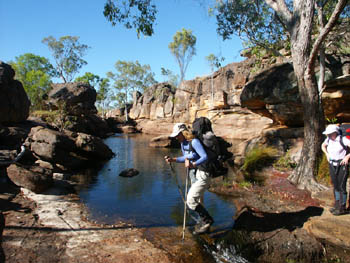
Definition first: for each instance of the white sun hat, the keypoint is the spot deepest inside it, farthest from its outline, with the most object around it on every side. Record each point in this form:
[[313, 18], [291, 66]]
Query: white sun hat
[[331, 128], [178, 127]]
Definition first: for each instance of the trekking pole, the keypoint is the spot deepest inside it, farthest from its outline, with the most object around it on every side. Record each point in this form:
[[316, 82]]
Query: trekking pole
[[180, 191], [185, 206]]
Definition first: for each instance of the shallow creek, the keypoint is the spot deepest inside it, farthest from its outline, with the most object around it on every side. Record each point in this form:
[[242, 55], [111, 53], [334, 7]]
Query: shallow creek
[[151, 199]]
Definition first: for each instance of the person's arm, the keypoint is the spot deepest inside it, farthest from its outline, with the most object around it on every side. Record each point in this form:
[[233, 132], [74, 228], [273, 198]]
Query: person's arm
[[324, 149], [180, 159], [203, 157], [345, 161]]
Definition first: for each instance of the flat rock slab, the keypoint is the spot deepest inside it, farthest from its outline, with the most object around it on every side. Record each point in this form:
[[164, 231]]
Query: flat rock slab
[[334, 229]]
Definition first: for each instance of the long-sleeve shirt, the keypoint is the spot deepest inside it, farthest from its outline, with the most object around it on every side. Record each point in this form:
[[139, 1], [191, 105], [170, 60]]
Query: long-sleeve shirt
[[199, 156]]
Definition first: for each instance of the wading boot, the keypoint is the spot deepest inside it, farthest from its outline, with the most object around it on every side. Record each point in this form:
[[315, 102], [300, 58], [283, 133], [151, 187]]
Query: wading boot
[[332, 209], [207, 220], [340, 211]]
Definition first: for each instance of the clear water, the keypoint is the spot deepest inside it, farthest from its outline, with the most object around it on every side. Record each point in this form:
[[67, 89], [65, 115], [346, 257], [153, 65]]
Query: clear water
[[152, 197]]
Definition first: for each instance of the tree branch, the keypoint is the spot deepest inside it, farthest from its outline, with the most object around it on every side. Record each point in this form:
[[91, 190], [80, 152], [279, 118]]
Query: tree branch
[[282, 10], [325, 31]]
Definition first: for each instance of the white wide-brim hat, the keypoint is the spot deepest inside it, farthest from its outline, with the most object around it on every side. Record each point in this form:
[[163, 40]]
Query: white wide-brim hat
[[178, 127], [331, 128]]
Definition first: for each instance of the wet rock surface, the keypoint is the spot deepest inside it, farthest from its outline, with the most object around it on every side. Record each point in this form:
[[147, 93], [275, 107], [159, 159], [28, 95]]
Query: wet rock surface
[[278, 222]]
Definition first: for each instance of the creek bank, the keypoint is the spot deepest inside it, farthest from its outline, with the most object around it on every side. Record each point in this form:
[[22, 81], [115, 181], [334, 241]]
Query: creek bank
[[276, 222], [53, 227]]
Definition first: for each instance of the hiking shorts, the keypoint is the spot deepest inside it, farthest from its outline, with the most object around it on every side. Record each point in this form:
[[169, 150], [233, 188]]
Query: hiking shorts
[[196, 192]]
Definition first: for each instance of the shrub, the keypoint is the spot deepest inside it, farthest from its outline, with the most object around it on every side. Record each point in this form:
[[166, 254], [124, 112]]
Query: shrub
[[257, 159], [284, 163]]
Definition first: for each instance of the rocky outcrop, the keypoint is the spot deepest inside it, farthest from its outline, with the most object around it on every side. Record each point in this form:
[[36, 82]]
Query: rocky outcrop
[[335, 99], [75, 98], [274, 94], [14, 102], [216, 96], [34, 178], [75, 103], [73, 151]]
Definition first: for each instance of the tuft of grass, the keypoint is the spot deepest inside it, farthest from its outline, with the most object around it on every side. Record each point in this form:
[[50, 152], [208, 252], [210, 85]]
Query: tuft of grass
[[284, 163], [245, 184], [258, 158], [323, 172]]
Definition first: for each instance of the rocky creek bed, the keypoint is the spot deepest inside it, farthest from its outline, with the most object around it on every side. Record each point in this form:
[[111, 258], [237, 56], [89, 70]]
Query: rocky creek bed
[[274, 223]]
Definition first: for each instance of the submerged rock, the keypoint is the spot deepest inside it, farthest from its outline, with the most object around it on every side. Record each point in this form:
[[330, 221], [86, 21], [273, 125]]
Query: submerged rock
[[131, 172]]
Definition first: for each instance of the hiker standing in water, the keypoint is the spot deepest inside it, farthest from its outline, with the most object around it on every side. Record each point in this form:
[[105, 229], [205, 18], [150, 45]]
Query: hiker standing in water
[[200, 180], [334, 146]]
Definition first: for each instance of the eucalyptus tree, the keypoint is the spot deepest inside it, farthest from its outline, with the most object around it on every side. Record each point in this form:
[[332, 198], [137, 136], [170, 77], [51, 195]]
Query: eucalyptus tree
[[129, 77], [214, 63], [183, 49], [35, 73], [89, 78], [173, 79], [104, 95], [67, 53], [270, 23]]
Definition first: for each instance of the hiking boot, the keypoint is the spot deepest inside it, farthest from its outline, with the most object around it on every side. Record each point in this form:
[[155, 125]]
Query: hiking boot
[[207, 220], [340, 211], [203, 228]]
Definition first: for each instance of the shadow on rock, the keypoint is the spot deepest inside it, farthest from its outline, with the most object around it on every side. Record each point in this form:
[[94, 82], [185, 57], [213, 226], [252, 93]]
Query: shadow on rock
[[266, 222]]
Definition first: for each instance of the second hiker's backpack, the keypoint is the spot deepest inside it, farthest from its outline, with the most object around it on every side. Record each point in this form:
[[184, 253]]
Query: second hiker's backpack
[[344, 130], [215, 147]]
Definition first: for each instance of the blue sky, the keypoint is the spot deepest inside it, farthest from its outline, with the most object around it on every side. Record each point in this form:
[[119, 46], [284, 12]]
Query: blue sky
[[24, 23]]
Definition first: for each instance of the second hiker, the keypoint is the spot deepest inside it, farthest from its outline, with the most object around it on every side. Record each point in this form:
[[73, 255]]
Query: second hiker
[[334, 146]]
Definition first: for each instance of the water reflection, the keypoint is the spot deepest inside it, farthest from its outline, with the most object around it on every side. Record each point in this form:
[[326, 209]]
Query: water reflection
[[151, 198]]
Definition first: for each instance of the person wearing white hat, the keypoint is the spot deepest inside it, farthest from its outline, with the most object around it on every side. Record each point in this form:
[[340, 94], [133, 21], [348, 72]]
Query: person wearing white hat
[[338, 159], [193, 157]]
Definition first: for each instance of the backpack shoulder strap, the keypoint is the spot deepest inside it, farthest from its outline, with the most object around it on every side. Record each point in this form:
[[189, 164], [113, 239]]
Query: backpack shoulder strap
[[343, 145]]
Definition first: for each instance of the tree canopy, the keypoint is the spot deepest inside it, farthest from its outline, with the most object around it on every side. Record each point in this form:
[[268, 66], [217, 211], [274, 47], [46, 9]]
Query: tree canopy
[[35, 73], [138, 14], [67, 53], [129, 77], [183, 49]]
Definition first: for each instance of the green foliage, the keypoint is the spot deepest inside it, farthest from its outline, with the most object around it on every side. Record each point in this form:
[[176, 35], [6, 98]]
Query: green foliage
[[67, 53], [172, 79], [104, 93], [284, 163], [137, 14], [35, 73], [130, 77], [183, 49], [245, 184], [323, 171], [58, 118], [251, 20], [89, 78], [257, 159], [332, 120], [214, 61]]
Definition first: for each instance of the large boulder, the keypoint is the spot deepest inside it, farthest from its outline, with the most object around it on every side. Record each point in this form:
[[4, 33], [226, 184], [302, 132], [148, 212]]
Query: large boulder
[[14, 102], [72, 151], [274, 94], [75, 98], [34, 178]]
